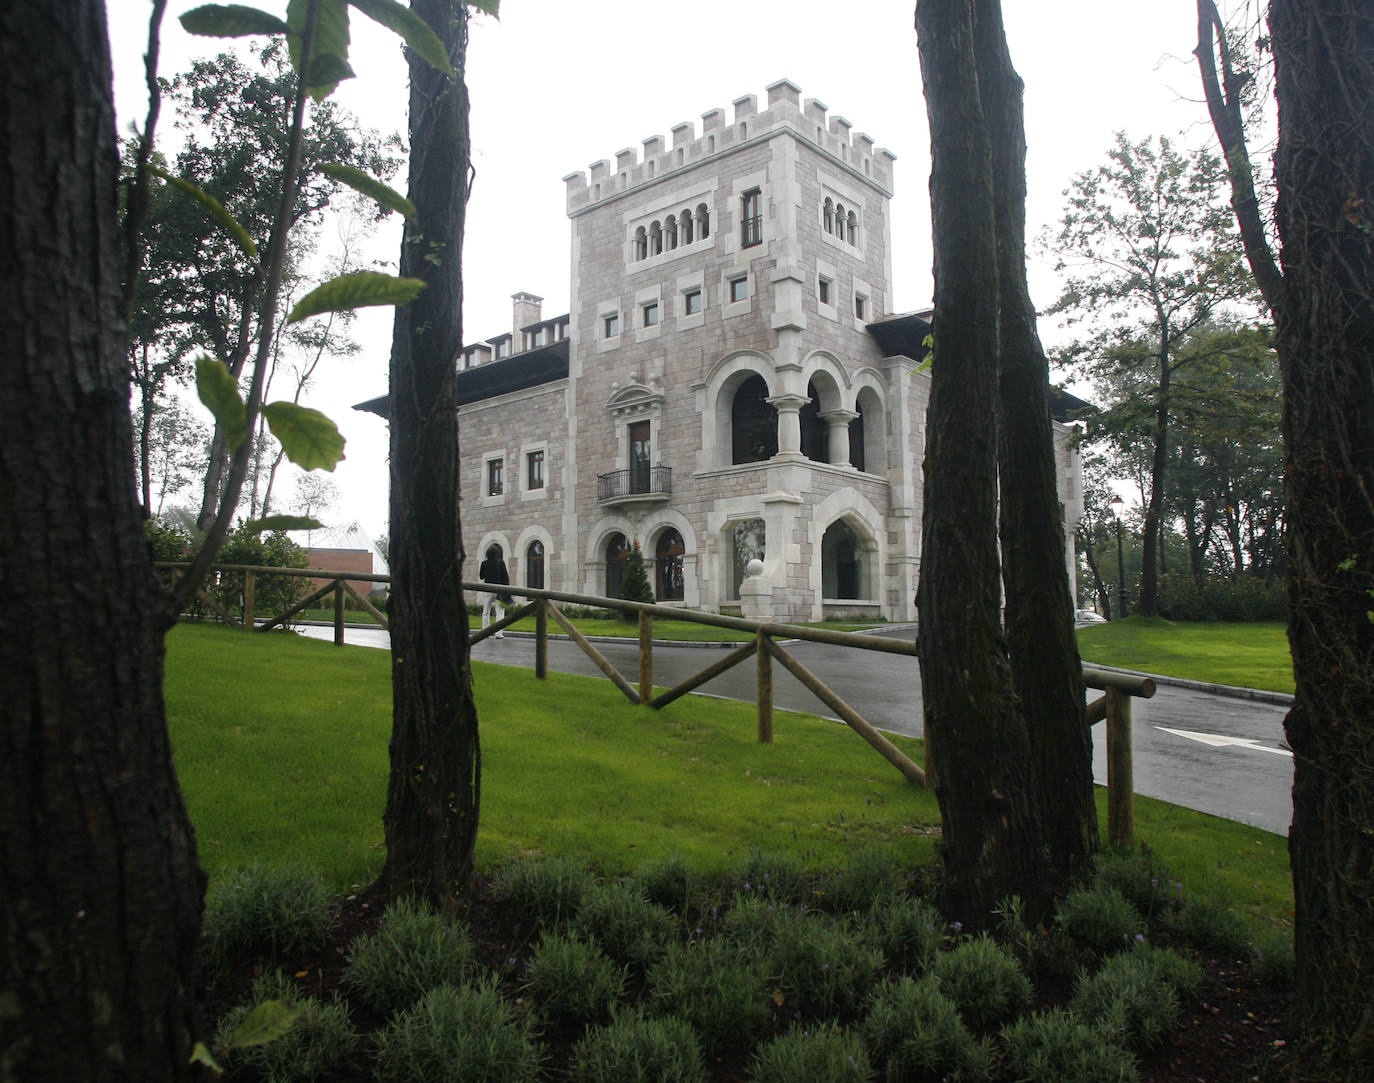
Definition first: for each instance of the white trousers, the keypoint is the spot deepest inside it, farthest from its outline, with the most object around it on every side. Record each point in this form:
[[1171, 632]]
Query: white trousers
[[492, 602]]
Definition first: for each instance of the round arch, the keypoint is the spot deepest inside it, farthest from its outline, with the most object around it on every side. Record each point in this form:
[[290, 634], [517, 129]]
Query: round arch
[[651, 534], [724, 379], [532, 533], [864, 521]]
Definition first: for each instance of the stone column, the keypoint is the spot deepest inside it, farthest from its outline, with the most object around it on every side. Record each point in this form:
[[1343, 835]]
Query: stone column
[[839, 420], [789, 422]]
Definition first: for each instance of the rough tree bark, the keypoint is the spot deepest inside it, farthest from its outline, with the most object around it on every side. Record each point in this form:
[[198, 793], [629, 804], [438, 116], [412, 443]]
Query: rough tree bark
[[973, 720], [434, 791], [1320, 295], [102, 891], [1039, 604]]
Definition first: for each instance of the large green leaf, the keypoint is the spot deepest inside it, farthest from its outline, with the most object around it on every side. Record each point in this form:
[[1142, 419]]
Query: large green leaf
[[212, 206], [282, 522], [265, 1023], [230, 21], [369, 186], [310, 439], [491, 7], [327, 71], [356, 290], [220, 393], [410, 27], [331, 39]]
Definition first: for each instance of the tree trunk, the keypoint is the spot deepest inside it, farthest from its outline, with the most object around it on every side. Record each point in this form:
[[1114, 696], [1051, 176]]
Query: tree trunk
[[1039, 605], [433, 795], [1324, 58], [1151, 535], [973, 720], [101, 914]]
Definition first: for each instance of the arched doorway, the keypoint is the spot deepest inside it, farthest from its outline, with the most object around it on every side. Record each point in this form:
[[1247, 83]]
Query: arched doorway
[[534, 565], [617, 549], [668, 553], [843, 574]]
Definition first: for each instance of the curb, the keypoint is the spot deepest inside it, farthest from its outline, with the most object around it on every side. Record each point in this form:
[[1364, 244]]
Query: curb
[[1259, 695]]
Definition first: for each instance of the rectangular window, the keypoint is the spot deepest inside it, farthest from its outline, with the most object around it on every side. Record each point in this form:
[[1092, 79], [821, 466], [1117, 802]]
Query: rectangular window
[[503, 348], [495, 478], [739, 288], [650, 314], [860, 307], [691, 302], [751, 218], [823, 290], [534, 470], [610, 325]]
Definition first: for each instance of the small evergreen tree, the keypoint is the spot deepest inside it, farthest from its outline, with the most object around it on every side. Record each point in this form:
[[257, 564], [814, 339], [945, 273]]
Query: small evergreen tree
[[635, 586]]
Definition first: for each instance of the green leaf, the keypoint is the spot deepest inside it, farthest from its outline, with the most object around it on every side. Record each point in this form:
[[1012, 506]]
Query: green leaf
[[331, 39], [230, 21], [310, 439], [327, 71], [369, 186], [265, 1023], [356, 290], [412, 29], [220, 393], [282, 522], [489, 6], [201, 1055], [212, 206]]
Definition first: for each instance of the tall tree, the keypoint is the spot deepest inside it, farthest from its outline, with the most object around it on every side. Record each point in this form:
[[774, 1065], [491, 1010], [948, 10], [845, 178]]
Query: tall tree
[[1323, 304], [433, 797], [974, 724], [1157, 255], [101, 917], [1039, 604]]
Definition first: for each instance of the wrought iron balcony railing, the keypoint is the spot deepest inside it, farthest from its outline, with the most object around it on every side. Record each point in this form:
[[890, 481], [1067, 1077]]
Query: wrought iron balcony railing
[[640, 483]]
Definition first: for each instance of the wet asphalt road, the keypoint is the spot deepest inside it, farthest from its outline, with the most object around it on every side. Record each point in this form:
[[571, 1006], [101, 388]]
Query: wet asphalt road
[[1249, 779]]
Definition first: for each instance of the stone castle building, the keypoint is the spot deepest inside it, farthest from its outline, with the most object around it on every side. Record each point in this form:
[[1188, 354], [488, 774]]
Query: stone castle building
[[730, 382]]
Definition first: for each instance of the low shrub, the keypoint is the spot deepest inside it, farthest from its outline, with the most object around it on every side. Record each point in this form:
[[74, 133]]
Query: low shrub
[[1219, 599], [571, 978], [412, 951], [780, 877], [636, 1049], [1138, 876], [547, 891], [265, 912], [908, 931], [1100, 919], [984, 980], [820, 1053], [871, 873], [1184, 976], [321, 1040], [1271, 958], [671, 882], [755, 923], [1209, 923], [466, 1033], [707, 983], [822, 965], [1056, 1046], [914, 1032], [629, 928], [1129, 999]]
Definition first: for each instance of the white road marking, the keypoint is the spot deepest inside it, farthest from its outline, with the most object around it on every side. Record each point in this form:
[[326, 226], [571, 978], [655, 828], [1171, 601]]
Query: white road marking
[[1220, 740]]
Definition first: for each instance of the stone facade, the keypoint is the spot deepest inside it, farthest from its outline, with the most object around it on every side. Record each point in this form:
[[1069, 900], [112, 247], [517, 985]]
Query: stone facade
[[735, 385]]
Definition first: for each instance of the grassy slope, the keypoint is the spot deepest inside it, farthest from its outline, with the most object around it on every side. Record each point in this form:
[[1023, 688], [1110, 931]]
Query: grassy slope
[[1248, 655], [281, 747]]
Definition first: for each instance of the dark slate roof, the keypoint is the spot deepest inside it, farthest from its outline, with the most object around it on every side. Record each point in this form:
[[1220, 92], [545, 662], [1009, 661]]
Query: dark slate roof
[[542, 365]]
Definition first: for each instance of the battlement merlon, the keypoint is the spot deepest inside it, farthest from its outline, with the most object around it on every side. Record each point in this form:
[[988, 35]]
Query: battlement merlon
[[785, 110]]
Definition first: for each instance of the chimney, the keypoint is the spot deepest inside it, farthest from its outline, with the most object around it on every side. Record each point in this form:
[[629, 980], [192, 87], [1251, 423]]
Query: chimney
[[526, 311]]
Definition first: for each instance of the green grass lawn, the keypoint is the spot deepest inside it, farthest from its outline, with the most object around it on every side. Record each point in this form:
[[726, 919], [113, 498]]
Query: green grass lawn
[[281, 746], [1248, 655]]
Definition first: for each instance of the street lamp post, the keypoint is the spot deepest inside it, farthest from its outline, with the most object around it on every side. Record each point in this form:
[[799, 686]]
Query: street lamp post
[[1117, 503]]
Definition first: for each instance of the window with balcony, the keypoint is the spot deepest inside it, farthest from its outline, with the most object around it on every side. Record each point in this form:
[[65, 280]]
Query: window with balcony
[[751, 218]]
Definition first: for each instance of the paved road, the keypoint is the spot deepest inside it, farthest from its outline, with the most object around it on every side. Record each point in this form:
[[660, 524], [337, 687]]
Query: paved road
[[1226, 758]]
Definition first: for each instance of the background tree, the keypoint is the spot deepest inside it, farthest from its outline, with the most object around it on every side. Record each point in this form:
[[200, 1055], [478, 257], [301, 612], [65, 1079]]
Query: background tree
[[171, 452], [433, 796], [974, 725], [99, 929], [1319, 292], [1155, 257]]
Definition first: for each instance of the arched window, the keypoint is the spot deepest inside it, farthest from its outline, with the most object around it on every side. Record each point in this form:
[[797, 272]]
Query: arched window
[[703, 221], [753, 423], [685, 222], [842, 570], [670, 227], [815, 433], [668, 566], [655, 239], [852, 228], [534, 565], [641, 244], [617, 549], [829, 215], [746, 544], [839, 220]]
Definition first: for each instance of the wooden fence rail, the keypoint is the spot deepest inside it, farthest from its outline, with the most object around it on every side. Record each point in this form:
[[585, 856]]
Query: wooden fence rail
[[1114, 707]]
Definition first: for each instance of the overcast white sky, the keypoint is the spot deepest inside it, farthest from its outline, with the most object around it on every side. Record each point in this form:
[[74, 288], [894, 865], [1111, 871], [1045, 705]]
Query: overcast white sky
[[556, 85]]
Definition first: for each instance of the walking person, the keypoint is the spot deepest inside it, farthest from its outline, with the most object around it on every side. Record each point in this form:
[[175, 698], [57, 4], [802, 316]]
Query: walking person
[[493, 570]]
